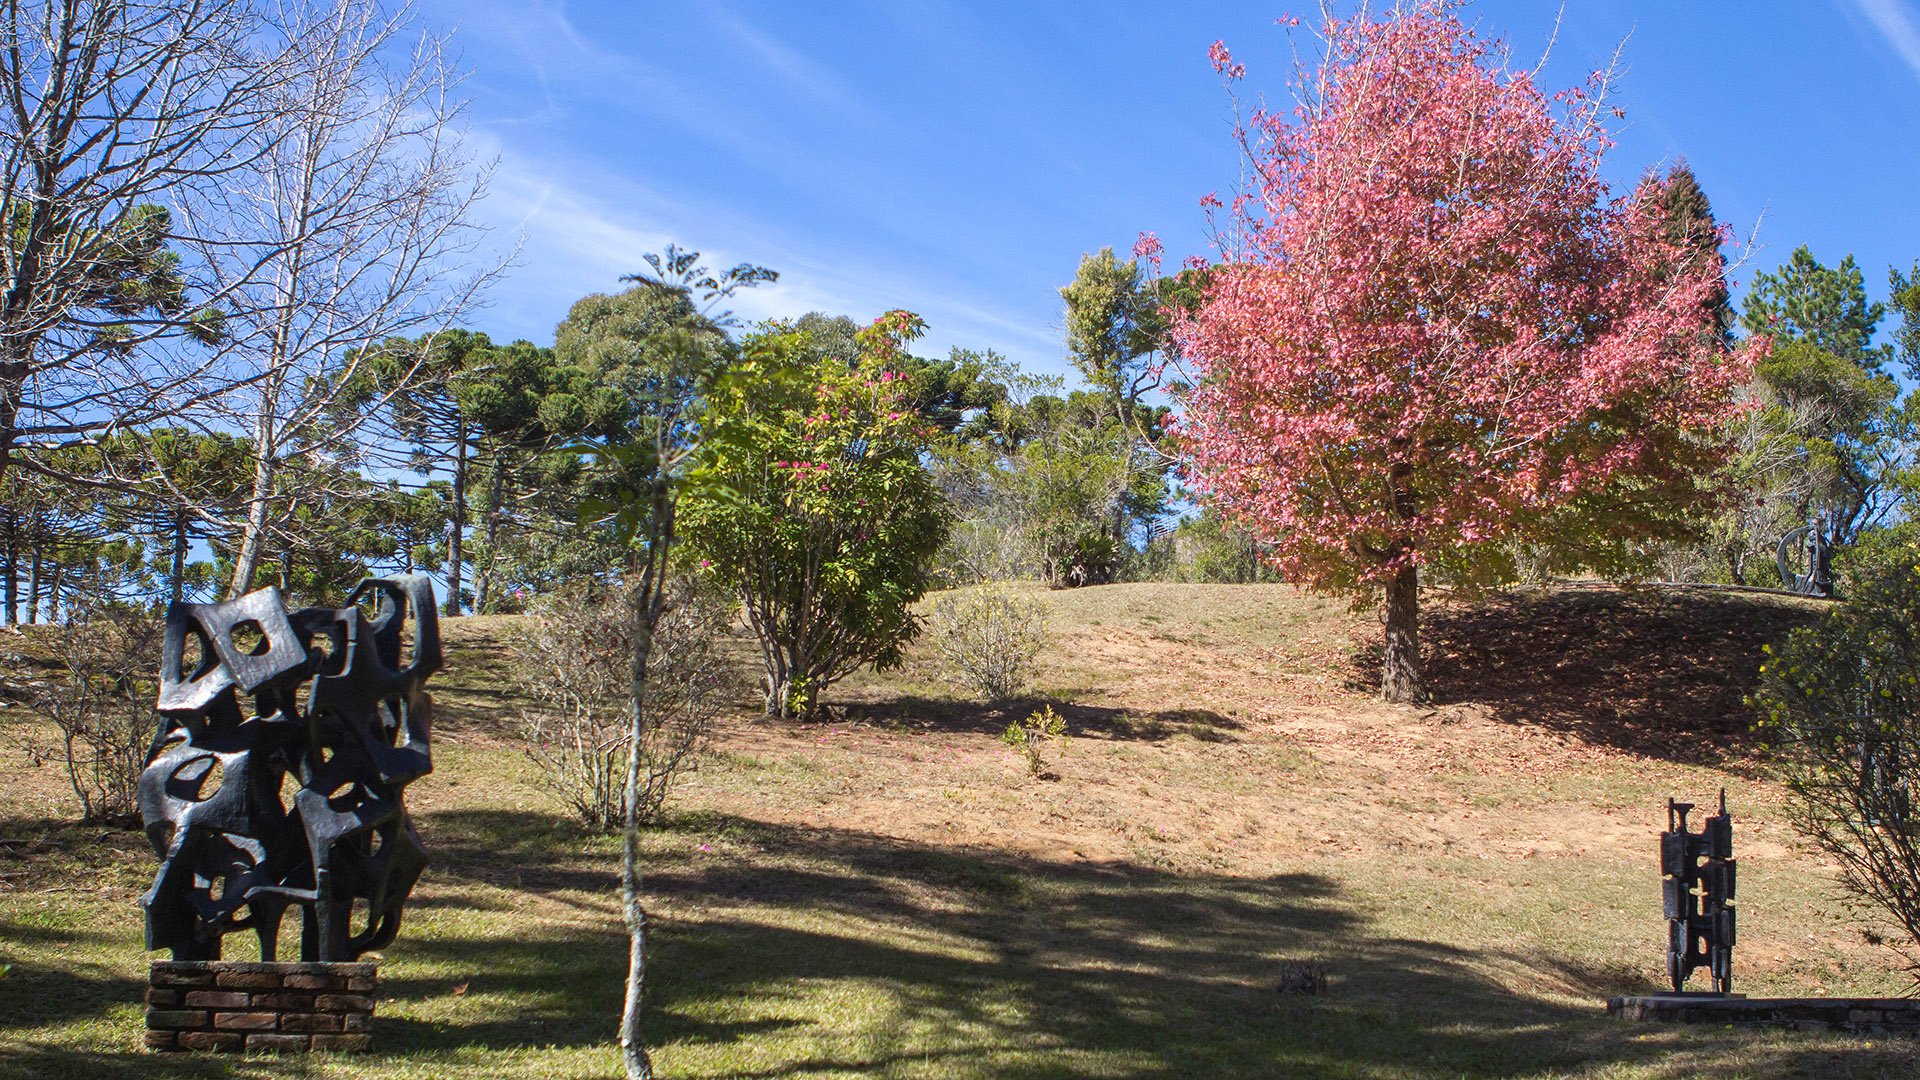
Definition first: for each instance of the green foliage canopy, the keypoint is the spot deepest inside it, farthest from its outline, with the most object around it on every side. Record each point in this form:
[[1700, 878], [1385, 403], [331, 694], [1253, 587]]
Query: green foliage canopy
[[811, 501]]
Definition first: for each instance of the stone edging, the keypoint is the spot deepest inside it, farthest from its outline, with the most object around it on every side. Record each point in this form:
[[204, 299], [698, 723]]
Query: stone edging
[[1863, 1015]]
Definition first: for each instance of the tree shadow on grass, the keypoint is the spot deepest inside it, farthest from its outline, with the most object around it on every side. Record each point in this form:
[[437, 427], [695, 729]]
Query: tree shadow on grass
[[517, 849], [40, 1061], [1659, 672], [794, 951], [44, 986], [1116, 969]]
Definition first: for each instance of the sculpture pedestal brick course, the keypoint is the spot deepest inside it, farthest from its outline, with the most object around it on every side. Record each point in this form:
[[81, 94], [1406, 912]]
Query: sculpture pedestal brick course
[[233, 1005]]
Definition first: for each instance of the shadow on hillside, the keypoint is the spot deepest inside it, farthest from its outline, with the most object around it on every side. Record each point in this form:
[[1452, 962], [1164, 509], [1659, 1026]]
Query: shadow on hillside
[[949, 716], [516, 849], [835, 952], [1661, 673], [1119, 969]]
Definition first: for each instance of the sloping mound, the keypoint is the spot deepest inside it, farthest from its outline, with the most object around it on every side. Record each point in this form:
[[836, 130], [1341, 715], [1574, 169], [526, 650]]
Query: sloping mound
[[1658, 671]]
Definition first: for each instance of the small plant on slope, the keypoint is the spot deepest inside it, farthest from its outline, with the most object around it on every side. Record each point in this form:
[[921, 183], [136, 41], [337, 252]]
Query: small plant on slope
[[1027, 736], [577, 665], [989, 636]]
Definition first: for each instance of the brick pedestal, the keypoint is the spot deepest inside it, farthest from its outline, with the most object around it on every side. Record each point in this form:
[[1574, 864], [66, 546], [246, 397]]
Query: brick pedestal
[[234, 1005]]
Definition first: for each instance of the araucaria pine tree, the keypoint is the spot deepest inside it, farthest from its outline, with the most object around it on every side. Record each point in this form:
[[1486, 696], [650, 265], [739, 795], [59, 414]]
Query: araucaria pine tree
[[1434, 332]]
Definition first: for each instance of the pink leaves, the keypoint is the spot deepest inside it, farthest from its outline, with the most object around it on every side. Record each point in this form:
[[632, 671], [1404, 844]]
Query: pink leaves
[[1223, 64], [1148, 247], [1437, 326]]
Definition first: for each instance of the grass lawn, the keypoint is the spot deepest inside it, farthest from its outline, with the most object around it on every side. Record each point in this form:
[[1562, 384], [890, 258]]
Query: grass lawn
[[889, 894]]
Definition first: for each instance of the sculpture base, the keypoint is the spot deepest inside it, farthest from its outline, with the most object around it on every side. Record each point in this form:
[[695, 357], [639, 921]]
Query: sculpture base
[[1865, 1015], [236, 1005]]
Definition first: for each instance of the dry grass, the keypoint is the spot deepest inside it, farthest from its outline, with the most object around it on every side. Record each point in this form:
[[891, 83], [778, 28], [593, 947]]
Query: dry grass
[[889, 894]]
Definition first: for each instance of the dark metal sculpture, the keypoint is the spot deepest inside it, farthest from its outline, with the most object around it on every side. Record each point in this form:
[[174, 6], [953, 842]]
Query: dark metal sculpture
[[1699, 925], [1808, 545], [259, 797]]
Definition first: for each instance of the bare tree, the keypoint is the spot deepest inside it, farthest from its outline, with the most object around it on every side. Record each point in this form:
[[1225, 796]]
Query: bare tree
[[115, 114], [350, 226], [102, 703], [577, 667]]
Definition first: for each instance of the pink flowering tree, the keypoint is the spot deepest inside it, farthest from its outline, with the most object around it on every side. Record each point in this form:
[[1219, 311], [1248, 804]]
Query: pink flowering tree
[[1434, 335], [812, 504]]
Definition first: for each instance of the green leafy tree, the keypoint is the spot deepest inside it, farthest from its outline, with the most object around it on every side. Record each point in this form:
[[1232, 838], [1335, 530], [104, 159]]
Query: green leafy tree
[[1208, 548], [1117, 324], [1685, 218], [829, 523], [414, 524], [474, 412], [1833, 443], [953, 394], [1034, 480]]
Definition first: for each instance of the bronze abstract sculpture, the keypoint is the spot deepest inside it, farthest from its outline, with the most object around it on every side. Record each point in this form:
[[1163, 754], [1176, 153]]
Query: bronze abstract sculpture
[[1699, 925], [289, 799]]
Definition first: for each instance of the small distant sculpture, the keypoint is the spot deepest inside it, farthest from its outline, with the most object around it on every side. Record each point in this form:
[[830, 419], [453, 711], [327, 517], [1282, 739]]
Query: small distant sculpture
[[1699, 925], [1807, 544], [289, 799]]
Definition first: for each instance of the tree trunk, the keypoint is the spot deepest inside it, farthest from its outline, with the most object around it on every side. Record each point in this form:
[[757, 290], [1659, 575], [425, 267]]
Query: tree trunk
[[483, 575], [178, 585], [13, 567], [459, 515], [1400, 679], [649, 603], [246, 559], [33, 570]]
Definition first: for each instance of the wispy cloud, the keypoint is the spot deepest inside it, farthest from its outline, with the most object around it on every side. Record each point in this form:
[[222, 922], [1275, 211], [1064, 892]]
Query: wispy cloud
[[789, 65], [1895, 19], [584, 231]]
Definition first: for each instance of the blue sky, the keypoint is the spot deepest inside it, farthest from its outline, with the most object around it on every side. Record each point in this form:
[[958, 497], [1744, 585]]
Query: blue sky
[[956, 158]]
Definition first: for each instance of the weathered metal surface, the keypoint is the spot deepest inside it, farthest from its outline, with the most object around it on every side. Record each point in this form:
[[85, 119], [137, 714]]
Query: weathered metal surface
[[1700, 924], [1806, 545], [259, 797]]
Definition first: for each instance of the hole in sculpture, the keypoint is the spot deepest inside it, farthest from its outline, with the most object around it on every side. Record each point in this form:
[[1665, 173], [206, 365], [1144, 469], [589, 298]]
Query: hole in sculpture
[[361, 919], [249, 638], [192, 657], [329, 658], [289, 788], [212, 780], [197, 779]]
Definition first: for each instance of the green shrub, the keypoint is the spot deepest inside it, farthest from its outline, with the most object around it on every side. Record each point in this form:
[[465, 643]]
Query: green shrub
[[1843, 700], [989, 635]]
